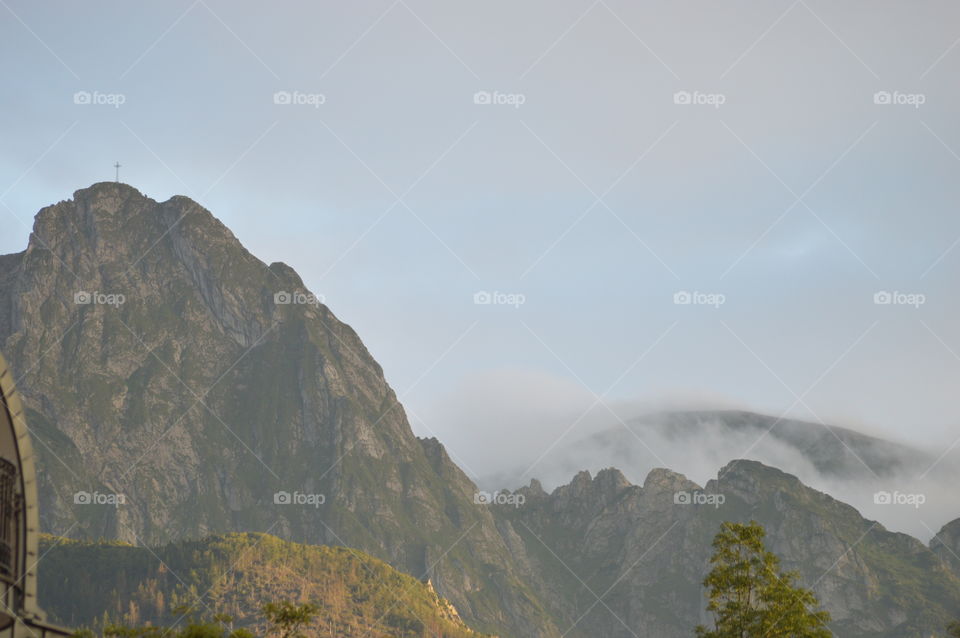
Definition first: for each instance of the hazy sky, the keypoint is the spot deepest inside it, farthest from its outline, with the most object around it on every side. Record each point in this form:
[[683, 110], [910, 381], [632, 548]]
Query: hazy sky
[[587, 185]]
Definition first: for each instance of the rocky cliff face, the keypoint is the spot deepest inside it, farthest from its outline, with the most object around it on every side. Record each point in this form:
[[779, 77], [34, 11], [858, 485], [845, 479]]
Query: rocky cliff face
[[631, 557], [946, 545], [177, 386]]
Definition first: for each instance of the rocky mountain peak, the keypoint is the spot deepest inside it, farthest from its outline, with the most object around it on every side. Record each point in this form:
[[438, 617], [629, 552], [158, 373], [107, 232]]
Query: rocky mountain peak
[[610, 481], [663, 480], [106, 190], [586, 495], [751, 480], [533, 490], [114, 224]]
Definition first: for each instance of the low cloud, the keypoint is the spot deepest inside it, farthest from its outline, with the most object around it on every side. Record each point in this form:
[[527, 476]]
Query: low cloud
[[510, 426]]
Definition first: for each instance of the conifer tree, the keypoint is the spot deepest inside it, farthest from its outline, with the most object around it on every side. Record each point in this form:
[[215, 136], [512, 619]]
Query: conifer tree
[[749, 595]]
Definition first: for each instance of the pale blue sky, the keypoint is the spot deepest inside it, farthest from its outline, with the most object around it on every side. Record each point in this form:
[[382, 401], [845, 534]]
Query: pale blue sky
[[501, 189]]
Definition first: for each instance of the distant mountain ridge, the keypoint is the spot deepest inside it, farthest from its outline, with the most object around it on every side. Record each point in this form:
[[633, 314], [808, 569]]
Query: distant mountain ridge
[[831, 450]]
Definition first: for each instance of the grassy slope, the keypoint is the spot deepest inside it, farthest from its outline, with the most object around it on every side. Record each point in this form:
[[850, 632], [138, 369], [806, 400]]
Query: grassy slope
[[89, 584]]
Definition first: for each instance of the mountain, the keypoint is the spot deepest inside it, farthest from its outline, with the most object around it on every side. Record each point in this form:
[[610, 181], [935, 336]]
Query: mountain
[[176, 386], [88, 584], [620, 557]]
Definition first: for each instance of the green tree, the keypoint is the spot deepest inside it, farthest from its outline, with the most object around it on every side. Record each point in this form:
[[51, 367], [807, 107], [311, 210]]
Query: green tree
[[287, 619], [750, 597], [953, 629]]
